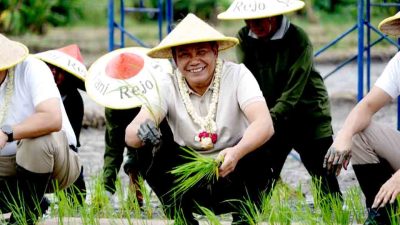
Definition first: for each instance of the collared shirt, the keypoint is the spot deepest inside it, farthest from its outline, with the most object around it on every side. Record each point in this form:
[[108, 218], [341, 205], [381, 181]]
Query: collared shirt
[[294, 90], [238, 89], [279, 33]]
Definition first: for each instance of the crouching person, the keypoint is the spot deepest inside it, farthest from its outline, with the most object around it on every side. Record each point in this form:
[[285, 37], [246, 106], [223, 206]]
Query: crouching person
[[36, 137], [209, 99]]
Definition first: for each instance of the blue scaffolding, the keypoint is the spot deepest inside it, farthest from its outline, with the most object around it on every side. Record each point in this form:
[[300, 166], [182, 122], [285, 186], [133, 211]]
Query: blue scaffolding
[[113, 24], [363, 55], [363, 28]]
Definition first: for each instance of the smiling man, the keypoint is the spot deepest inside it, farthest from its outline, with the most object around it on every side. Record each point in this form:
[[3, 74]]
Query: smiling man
[[214, 107]]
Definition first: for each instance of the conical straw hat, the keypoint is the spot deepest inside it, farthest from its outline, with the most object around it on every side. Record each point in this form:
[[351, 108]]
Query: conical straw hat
[[191, 30], [255, 9], [11, 52], [125, 78], [391, 25], [68, 58]]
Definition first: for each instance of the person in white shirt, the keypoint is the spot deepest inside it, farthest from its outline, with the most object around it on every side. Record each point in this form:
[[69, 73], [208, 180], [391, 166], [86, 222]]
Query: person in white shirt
[[373, 147], [36, 137]]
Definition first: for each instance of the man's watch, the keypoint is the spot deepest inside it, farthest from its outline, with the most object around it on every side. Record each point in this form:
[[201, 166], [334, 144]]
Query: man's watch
[[7, 129]]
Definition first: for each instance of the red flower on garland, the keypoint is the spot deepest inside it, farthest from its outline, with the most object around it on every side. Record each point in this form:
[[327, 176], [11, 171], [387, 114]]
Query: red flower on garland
[[213, 136]]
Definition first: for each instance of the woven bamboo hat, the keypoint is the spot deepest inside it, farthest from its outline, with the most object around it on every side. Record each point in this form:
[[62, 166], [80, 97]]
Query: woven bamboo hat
[[391, 25], [68, 58], [11, 52], [191, 30], [125, 78], [255, 9]]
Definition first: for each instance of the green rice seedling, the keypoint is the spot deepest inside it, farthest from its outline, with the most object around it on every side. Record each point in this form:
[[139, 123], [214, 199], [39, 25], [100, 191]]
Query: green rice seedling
[[13, 204], [200, 169], [210, 215], [394, 213], [330, 206], [65, 207], [340, 214], [21, 214], [302, 212], [354, 203], [146, 198], [100, 203], [280, 211], [131, 203], [179, 219], [254, 213], [320, 204]]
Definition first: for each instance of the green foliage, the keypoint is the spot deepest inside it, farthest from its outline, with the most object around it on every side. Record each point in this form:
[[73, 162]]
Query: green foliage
[[206, 9], [19, 17]]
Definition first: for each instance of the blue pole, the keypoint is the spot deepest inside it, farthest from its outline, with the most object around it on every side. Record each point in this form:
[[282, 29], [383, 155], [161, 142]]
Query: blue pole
[[122, 12], [360, 56], [160, 19], [170, 14], [110, 25], [398, 99], [368, 46]]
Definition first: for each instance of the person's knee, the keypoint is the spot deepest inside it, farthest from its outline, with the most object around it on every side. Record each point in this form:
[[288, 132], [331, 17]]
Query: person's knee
[[37, 154]]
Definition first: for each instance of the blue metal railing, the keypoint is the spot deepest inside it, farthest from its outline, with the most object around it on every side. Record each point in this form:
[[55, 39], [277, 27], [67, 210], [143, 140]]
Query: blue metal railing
[[120, 26], [363, 48]]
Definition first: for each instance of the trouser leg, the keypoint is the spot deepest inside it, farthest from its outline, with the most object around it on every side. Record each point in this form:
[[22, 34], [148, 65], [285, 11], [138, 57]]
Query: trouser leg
[[248, 186], [312, 155], [77, 191], [371, 177], [276, 150], [375, 157], [31, 189], [162, 181], [116, 123]]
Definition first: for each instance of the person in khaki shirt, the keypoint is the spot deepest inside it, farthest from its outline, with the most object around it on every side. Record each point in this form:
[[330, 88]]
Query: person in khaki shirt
[[214, 107]]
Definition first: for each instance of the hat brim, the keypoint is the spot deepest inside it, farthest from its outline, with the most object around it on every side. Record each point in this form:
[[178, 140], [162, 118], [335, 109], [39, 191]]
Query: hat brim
[[13, 54], [267, 12], [165, 50], [130, 92], [391, 25], [64, 62]]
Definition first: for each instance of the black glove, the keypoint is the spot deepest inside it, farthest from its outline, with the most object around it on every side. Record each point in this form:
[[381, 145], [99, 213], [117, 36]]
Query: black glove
[[149, 133]]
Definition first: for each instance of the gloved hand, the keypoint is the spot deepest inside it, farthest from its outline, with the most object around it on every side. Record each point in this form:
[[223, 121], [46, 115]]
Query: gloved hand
[[335, 159], [149, 133]]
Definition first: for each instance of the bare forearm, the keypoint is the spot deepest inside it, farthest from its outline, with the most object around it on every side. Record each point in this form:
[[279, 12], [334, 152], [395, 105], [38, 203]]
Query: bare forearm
[[358, 119], [255, 135], [131, 137], [46, 119], [37, 125]]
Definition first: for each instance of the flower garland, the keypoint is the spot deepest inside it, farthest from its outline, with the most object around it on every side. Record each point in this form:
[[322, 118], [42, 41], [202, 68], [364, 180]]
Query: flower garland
[[207, 134], [8, 94]]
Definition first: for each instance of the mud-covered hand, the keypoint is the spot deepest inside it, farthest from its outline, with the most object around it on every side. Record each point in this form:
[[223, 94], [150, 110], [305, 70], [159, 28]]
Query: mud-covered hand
[[388, 192], [335, 159], [149, 133]]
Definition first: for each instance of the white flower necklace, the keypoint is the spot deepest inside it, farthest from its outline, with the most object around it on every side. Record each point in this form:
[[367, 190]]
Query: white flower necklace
[[207, 134], [8, 94]]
